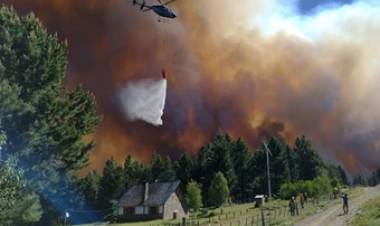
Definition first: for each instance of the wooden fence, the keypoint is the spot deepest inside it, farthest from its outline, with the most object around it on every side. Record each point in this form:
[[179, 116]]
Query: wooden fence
[[246, 217]]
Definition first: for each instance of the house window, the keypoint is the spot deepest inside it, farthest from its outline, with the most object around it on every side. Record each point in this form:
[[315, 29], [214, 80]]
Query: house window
[[160, 209], [139, 210]]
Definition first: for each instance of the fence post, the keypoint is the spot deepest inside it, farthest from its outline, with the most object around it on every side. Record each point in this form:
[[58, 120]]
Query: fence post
[[262, 217]]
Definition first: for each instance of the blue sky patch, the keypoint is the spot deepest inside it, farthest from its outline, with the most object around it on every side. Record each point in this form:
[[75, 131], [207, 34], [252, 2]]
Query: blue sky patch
[[310, 6]]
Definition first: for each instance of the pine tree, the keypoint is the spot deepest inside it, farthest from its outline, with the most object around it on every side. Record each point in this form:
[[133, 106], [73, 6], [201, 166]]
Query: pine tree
[[184, 168], [218, 192], [291, 159], [43, 121], [89, 186], [309, 161], [135, 172], [18, 205], [193, 195], [215, 157], [111, 184], [241, 158], [162, 169], [279, 167]]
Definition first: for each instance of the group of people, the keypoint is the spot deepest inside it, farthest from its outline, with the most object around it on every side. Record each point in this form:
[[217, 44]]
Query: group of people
[[293, 204]]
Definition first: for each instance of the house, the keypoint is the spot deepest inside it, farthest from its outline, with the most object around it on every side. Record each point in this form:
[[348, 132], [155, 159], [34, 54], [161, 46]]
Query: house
[[152, 201]]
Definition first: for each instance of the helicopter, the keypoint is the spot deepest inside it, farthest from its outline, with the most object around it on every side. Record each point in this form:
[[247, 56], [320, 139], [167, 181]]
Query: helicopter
[[160, 9]]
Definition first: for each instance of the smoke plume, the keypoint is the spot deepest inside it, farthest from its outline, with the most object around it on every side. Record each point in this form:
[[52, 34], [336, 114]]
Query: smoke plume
[[144, 100], [252, 68]]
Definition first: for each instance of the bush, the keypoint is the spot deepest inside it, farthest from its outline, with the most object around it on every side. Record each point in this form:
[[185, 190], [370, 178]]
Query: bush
[[287, 190], [193, 195], [320, 186], [218, 192]]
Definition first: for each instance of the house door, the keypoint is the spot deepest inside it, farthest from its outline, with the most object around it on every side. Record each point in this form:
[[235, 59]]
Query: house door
[[175, 214]]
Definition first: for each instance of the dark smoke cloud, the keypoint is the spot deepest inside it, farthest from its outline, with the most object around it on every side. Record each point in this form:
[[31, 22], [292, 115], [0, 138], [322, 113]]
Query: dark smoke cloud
[[222, 76]]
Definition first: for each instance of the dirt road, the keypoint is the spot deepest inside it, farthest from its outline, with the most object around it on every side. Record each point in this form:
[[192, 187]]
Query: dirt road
[[333, 216]]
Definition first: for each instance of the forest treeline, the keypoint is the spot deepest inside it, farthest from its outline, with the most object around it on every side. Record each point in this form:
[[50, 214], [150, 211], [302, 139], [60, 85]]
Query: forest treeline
[[244, 170]]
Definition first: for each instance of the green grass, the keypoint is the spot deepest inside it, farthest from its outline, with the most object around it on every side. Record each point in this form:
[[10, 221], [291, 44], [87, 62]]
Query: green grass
[[369, 214]]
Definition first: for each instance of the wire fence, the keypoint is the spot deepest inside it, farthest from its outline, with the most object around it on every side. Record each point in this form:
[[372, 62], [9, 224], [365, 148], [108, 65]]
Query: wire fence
[[263, 216]]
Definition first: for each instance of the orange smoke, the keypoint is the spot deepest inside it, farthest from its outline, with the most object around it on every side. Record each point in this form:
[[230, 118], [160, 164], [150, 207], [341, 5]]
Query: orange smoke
[[235, 80]]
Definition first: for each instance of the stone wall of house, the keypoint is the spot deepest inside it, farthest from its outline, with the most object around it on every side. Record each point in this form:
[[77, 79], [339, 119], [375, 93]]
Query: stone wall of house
[[173, 204]]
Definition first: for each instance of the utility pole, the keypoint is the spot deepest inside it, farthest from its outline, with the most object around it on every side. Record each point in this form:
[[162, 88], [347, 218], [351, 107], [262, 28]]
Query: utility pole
[[267, 151]]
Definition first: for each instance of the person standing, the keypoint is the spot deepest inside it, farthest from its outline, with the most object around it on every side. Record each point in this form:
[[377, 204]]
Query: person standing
[[302, 200], [345, 203], [292, 206]]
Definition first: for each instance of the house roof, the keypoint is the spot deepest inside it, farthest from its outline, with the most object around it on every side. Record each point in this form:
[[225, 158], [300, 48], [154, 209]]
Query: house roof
[[158, 193]]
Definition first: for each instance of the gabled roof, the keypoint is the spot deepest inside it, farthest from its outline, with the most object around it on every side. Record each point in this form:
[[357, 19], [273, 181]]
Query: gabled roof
[[158, 194]]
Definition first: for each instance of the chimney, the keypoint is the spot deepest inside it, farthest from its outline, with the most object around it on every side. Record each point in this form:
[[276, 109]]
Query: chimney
[[146, 191]]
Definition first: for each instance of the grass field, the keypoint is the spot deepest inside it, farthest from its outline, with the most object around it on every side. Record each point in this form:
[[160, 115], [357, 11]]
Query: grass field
[[369, 214]]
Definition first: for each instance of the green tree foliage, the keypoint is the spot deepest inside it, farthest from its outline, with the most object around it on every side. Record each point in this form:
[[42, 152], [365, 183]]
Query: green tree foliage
[[18, 205], [134, 172], [184, 168], [292, 166], [309, 161], [162, 169], [280, 168], [320, 186], [213, 158], [218, 192], [246, 170], [89, 186], [287, 190], [193, 195], [43, 121], [111, 184], [242, 161]]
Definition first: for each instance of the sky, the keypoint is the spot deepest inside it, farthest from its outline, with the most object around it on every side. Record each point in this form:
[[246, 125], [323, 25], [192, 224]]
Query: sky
[[310, 6], [255, 69]]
